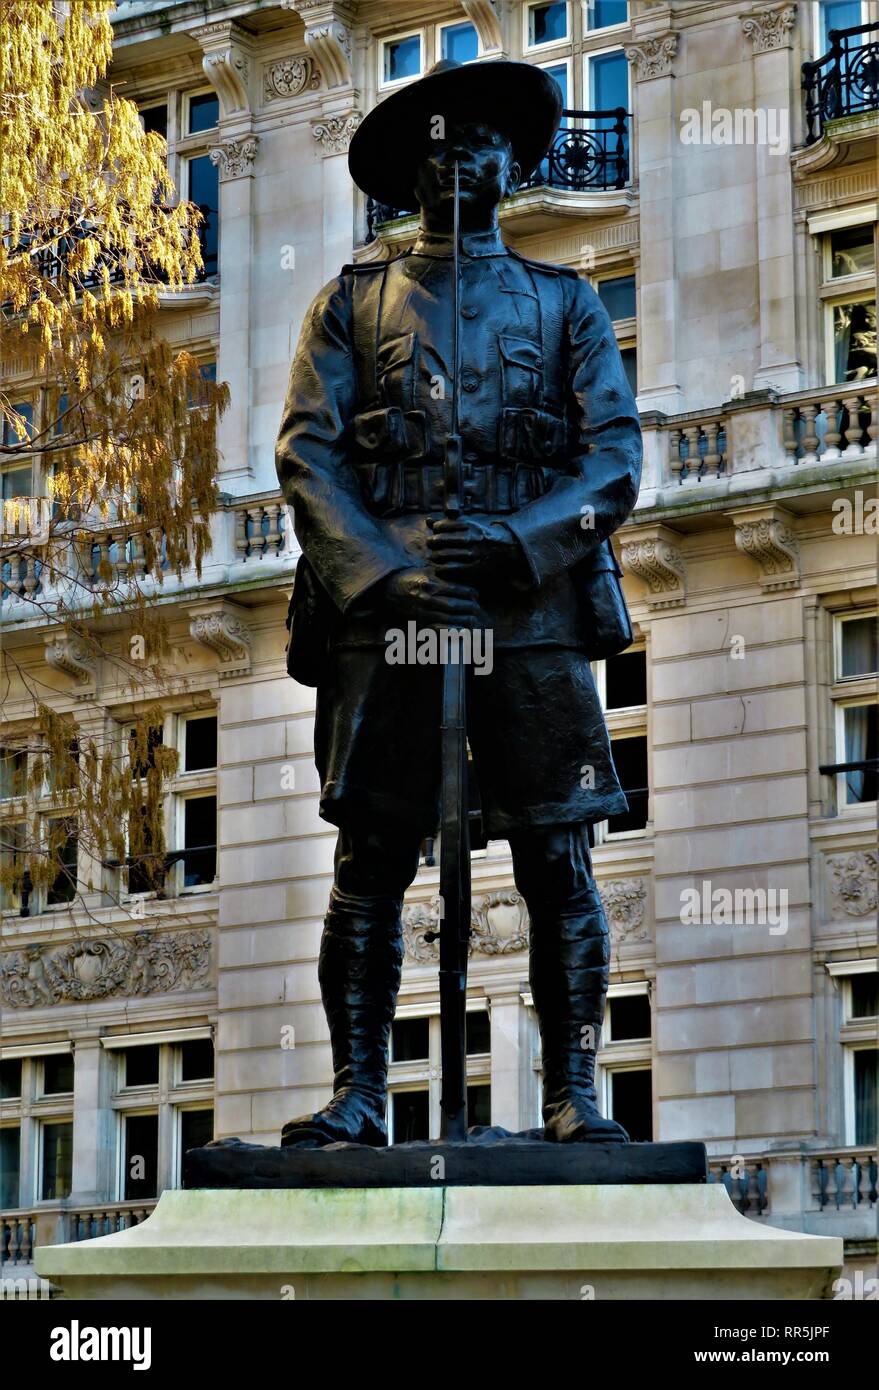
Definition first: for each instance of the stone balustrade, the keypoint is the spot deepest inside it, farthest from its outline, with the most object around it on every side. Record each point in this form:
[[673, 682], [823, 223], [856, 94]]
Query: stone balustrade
[[22, 1231], [837, 422], [814, 1191], [698, 447]]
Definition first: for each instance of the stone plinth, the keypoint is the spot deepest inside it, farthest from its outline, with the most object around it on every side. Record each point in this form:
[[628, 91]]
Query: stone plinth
[[603, 1242]]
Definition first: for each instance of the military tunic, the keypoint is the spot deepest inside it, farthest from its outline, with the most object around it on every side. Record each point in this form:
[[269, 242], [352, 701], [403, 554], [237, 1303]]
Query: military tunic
[[551, 448]]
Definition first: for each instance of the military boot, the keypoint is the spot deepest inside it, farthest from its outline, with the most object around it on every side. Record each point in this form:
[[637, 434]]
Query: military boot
[[361, 957]]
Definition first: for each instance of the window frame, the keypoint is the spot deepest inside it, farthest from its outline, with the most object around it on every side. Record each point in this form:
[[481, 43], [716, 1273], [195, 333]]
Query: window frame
[[630, 721], [588, 57], [456, 24], [818, 49], [531, 48], [426, 1074], [589, 31], [166, 1097], [848, 692], [395, 83]]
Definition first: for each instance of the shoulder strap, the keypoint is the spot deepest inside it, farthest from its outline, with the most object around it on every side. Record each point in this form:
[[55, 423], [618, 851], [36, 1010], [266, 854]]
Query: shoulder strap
[[368, 292], [550, 296]]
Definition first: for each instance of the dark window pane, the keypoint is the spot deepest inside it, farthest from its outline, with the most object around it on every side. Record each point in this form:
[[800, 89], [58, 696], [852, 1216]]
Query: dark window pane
[[460, 43], [142, 1065], [866, 1082], [197, 1061], [630, 761], [57, 1161], [58, 1074], [478, 1032], [478, 1105], [402, 58], [141, 1156], [547, 23], [861, 745], [851, 251], [626, 680], [478, 838], [199, 840], [143, 760], [631, 1103], [602, 13], [10, 1167], [837, 14], [865, 995], [854, 341], [860, 647], [618, 296], [200, 743], [16, 482], [196, 1129], [204, 112], [10, 1078], [410, 1110], [609, 81], [410, 1040], [629, 1017], [203, 190], [63, 887], [629, 357], [13, 772], [155, 120], [11, 429]]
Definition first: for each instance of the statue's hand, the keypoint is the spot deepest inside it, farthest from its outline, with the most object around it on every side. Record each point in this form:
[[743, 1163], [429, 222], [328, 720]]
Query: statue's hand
[[431, 600], [471, 548]]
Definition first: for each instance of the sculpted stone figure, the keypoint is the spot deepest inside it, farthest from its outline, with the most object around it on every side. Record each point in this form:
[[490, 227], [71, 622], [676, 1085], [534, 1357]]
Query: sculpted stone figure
[[552, 457]]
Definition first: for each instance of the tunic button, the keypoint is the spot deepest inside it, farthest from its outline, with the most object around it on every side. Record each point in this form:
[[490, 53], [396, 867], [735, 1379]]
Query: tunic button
[[469, 311], [470, 382]]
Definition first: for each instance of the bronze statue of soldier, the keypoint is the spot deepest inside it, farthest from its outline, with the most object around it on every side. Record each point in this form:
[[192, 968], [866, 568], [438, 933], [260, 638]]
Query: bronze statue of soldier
[[551, 465]]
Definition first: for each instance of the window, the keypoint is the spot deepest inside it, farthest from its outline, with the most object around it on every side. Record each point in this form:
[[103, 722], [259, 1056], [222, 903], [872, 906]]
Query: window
[[58, 1074], [46, 833], [189, 810], [606, 14], [62, 839], [202, 188], [459, 42], [13, 840], [141, 1157], [401, 58], [848, 297], [16, 473], [13, 773], [10, 1078], [547, 23], [10, 1167], [618, 295], [154, 119], [836, 14], [204, 112], [171, 1084], [624, 1060], [56, 1168], [415, 1074], [188, 122], [859, 999], [621, 682], [854, 696]]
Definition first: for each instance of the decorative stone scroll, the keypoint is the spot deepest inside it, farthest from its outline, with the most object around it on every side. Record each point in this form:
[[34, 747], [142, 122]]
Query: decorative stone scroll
[[333, 133], [144, 963], [652, 554], [853, 883], [765, 535], [220, 628], [499, 921], [234, 158], [225, 64], [653, 57], [327, 36], [770, 26], [72, 655]]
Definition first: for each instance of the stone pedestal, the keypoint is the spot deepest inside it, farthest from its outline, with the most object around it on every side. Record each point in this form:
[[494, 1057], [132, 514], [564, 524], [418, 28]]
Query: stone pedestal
[[677, 1241]]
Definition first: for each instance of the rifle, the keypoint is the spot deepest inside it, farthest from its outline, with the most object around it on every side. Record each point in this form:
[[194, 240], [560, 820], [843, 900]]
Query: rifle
[[454, 931]]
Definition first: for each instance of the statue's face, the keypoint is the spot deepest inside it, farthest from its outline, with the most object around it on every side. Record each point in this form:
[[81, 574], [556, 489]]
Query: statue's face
[[487, 172]]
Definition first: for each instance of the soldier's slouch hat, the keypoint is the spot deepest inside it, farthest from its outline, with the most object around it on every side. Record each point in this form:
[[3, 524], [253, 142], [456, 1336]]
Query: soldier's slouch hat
[[521, 101]]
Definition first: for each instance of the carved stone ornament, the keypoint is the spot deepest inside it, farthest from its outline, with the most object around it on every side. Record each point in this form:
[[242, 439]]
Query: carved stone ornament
[[218, 627], [234, 158], [72, 655], [499, 921], [486, 20], [142, 964], [327, 36], [765, 536], [651, 554], [770, 26], [289, 77], [333, 134], [853, 882], [653, 57], [225, 64]]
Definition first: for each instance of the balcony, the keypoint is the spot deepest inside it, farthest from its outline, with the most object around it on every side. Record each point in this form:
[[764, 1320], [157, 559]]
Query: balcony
[[843, 84], [22, 1231], [586, 165], [821, 1192]]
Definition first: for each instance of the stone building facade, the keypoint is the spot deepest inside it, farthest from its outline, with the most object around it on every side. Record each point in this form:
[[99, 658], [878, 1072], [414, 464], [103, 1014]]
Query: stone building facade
[[724, 204]]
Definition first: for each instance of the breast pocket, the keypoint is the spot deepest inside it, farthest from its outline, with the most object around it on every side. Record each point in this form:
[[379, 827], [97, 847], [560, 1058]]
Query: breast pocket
[[395, 364], [522, 367]]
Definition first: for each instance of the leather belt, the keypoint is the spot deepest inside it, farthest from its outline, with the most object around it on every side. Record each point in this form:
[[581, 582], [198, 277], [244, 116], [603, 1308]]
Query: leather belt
[[395, 489]]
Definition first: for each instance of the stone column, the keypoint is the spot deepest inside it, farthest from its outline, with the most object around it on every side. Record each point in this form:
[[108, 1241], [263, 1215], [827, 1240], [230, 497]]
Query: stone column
[[228, 66], [93, 1119], [659, 316], [770, 30], [506, 1053]]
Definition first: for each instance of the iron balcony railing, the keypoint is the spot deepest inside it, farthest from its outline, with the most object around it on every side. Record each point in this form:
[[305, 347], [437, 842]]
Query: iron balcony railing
[[844, 81], [589, 153]]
